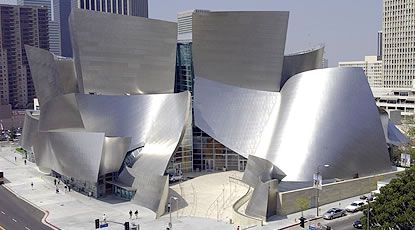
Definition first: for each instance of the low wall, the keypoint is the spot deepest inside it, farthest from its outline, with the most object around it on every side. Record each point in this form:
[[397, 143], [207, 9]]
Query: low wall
[[241, 219], [330, 193]]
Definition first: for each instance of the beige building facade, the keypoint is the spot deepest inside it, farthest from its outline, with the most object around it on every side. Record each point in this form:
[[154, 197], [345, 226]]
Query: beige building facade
[[398, 26], [372, 68]]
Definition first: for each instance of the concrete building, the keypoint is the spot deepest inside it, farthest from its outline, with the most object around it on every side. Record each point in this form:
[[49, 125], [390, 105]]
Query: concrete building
[[379, 45], [54, 21], [398, 55], [20, 25], [184, 25], [125, 7], [391, 99], [372, 68]]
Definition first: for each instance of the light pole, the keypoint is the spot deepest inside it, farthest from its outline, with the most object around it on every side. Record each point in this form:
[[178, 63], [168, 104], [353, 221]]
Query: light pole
[[169, 205], [318, 173], [368, 211]]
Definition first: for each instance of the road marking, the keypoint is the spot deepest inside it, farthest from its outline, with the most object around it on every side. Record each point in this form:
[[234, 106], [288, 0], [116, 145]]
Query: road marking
[[14, 220], [27, 228], [3, 213]]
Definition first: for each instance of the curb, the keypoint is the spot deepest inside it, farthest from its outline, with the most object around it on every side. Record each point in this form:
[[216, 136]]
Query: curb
[[290, 226], [46, 212], [46, 222]]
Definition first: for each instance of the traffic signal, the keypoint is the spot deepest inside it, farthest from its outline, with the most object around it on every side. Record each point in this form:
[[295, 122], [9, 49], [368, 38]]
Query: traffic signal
[[96, 223], [127, 226], [302, 222]]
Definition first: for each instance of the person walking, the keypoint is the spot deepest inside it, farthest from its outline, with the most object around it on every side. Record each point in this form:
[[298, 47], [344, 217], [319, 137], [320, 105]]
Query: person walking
[[104, 218], [69, 188], [66, 188], [131, 214], [57, 190], [237, 228], [31, 184], [15, 159], [25, 162], [54, 181], [136, 214]]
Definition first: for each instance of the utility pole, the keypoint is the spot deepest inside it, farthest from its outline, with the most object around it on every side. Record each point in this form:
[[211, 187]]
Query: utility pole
[[368, 212]]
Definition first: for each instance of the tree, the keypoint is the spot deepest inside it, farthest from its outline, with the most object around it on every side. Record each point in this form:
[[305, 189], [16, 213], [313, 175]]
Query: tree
[[302, 204], [394, 207], [406, 148]]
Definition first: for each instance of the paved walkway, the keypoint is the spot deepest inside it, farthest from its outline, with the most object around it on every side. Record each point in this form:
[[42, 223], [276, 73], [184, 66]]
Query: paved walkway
[[71, 210]]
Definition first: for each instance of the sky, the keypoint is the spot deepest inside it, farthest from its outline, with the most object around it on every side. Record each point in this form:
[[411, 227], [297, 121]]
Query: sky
[[347, 28]]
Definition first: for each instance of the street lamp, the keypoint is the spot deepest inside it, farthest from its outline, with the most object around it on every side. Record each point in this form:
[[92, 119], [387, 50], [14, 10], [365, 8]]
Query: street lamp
[[169, 205], [318, 173]]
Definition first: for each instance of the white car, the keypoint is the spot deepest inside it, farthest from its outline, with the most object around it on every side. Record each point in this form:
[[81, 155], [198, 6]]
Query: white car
[[354, 207]]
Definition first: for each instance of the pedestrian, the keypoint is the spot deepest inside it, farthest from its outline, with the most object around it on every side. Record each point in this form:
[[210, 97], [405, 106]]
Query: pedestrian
[[25, 161], [69, 188], [15, 159], [136, 214], [237, 228], [57, 189], [66, 188], [54, 181], [131, 214], [59, 181], [89, 195], [31, 185], [104, 218]]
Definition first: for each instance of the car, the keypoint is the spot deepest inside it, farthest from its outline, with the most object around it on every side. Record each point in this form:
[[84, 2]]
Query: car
[[334, 213], [175, 177], [358, 224], [363, 197], [354, 207]]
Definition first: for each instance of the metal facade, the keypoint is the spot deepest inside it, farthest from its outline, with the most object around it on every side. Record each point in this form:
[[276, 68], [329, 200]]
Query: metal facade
[[140, 52], [225, 41], [307, 124]]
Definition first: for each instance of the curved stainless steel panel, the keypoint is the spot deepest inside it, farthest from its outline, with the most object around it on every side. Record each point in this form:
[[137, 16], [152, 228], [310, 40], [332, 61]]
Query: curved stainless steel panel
[[44, 73], [116, 54], [146, 119], [30, 130], [392, 134], [61, 113], [325, 116], [246, 47], [113, 154], [300, 62], [234, 116], [70, 153], [66, 70]]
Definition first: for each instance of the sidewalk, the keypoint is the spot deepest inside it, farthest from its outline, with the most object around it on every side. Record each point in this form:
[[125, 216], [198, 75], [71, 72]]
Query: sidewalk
[[292, 220], [71, 210]]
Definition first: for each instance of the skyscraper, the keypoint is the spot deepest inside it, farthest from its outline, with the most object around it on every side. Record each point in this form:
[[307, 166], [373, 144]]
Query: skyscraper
[[379, 47], [184, 25], [19, 26], [125, 7], [54, 21], [398, 29]]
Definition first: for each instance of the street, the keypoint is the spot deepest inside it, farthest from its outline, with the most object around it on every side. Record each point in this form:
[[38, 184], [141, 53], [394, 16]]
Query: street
[[17, 214], [342, 223]]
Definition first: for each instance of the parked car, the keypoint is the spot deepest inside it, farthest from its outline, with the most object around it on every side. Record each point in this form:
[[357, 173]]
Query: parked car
[[363, 197], [175, 177], [354, 207], [334, 213], [358, 224]]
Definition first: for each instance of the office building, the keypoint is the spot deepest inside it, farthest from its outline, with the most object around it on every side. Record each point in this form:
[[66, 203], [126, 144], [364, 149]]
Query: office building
[[20, 25], [372, 68], [398, 55], [379, 45], [124, 7], [65, 7], [184, 25], [54, 21]]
